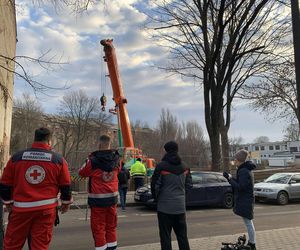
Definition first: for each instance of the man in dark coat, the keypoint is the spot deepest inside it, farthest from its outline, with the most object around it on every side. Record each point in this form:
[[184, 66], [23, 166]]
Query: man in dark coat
[[168, 184], [243, 188], [123, 178]]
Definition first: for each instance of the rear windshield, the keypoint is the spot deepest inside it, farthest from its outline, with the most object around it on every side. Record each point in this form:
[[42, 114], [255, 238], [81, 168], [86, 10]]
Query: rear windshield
[[279, 178]]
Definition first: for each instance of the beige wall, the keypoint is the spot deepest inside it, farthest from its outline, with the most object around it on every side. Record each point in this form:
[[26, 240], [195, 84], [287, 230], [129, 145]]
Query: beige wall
[[7, 49]]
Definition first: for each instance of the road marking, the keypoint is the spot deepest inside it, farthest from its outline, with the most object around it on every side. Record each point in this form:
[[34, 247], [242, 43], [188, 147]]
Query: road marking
[[206, 211], [119, 216], [259, 207], [144, 215], [196, 212], [84, 218], [219, 210]]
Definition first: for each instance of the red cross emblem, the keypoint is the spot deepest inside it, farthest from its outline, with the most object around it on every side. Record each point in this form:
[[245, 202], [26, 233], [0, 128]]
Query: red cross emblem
[[108, 176], [35, 174]]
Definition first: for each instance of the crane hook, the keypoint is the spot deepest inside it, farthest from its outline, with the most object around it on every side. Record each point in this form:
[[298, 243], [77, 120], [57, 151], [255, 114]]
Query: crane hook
[[103, 102]]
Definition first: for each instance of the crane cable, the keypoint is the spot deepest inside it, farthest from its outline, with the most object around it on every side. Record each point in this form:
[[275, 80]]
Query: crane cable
[[103, 82]]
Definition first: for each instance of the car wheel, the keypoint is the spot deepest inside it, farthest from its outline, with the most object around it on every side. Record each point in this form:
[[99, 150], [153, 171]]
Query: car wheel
[[282, 198], [228, 200]]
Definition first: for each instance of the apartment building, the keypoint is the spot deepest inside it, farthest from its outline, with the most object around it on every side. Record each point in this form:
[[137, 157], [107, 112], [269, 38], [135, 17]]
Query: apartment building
[[274, 154]]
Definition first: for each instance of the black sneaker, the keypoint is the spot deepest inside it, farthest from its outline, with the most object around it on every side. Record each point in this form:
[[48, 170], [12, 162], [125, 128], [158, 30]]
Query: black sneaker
[[251, 245]]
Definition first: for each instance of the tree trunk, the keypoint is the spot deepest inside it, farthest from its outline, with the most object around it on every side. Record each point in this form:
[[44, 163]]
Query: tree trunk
[[213, 110], [215, 151], [225, 148], [224, 128]]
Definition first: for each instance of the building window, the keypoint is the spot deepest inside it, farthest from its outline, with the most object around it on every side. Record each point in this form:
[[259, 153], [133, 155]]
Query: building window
[[271, 147], [246, 148], [293, 149], [256, 148], [277, 147], [262, 147]]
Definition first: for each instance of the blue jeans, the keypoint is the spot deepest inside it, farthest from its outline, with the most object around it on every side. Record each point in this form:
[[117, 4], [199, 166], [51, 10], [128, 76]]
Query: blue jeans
[[122, 193], [251, 230]]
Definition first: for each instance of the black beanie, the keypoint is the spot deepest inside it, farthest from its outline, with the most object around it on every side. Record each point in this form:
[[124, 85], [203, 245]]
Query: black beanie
[[171, 146]]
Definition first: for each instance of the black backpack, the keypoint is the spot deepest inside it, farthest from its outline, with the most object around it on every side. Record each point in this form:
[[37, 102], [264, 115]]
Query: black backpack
[[122, 177]]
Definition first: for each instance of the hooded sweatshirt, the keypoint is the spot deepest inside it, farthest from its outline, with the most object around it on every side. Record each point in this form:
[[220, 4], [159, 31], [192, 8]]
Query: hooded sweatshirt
[[168, 184], [102, 168]]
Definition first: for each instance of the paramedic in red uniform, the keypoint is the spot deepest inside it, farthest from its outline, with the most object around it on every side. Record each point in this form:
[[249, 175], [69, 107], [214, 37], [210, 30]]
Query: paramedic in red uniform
[[29, 188], [102, 168]]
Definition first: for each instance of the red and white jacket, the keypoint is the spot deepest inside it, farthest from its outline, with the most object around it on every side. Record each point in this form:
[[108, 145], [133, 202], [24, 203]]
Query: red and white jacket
[[33, 178], [102, 168]]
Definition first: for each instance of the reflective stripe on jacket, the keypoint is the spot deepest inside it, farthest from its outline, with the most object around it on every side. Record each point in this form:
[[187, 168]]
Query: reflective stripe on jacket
[[35, 203], [33, 178], [138, 169]]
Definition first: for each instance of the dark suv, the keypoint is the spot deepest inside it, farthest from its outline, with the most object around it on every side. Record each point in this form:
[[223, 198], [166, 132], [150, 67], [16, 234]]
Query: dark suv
[[209, 188]]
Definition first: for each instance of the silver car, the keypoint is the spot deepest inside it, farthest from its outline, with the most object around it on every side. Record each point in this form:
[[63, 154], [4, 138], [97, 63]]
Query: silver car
[[280, 187]]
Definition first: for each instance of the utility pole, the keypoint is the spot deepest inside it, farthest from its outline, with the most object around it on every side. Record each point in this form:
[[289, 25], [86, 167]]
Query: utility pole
[[296, 38]]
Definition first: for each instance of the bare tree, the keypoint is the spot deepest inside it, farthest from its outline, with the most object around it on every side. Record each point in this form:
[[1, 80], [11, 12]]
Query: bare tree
[[146, 139], [193, 147], [64, 134], [45, 61], [220, 44], [292, 132], [276, 94], [78, 109], [26, 118], [76, 6], [167, 127], [189, 136], [235, 144]]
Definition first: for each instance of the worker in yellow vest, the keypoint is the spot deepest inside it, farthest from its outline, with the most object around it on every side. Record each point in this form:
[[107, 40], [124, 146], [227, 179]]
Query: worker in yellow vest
[[138, 173]]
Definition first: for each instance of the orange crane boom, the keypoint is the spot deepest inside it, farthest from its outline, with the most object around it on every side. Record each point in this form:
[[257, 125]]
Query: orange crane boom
[[118, 94]]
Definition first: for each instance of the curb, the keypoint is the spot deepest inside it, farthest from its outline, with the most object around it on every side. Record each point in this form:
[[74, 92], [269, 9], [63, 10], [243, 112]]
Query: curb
[[84, 206]]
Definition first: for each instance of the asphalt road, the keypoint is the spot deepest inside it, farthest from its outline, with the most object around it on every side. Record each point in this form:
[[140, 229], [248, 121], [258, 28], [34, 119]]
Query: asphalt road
[[138, 225]]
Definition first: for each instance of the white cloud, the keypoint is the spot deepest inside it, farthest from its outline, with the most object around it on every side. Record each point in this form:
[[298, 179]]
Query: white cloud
[[147, 89], [22, 12]]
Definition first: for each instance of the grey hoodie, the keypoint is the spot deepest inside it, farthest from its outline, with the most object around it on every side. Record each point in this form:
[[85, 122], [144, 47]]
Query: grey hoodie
[[168, 184]]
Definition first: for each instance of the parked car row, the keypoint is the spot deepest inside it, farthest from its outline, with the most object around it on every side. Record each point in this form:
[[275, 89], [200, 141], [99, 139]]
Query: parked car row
[[209, 188], [212, 189]]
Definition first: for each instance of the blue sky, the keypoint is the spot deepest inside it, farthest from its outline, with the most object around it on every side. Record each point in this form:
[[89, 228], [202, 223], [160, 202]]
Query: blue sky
[[76, 40]]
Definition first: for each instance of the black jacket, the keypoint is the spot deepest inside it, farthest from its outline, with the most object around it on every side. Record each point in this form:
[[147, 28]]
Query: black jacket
[[168, 184], [123, 178], [105, 160], [243, 188]]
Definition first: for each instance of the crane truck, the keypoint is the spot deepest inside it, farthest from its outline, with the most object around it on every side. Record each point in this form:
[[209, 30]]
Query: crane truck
[[127, 149]]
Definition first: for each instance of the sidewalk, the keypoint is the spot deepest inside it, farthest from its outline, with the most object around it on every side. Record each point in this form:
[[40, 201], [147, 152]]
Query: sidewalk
[[284, 239], [80, 200]]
